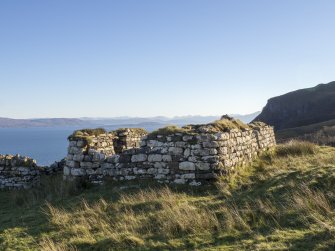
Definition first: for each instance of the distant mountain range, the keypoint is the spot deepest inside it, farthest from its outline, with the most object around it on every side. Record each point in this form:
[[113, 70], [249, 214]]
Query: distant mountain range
[[116, 122], [8, 122], [300, 108]]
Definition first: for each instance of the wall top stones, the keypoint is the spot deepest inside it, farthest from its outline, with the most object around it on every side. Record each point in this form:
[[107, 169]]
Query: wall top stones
[[90, 137], [18, 172], [17, 161], [219, 128]]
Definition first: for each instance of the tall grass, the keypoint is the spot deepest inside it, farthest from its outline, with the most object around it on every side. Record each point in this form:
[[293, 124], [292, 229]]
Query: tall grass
[[52, 188], [284, 195], [296, 148], [49, 245], [162, 213]]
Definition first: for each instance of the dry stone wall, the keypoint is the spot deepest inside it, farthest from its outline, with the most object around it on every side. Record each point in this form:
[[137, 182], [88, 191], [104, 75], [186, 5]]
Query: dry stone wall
[[128, 138], [181, 156], [18, 172], [86, 155]]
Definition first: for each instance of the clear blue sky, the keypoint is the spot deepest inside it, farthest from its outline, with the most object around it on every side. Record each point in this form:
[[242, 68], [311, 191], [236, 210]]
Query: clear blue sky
[[99, 58]]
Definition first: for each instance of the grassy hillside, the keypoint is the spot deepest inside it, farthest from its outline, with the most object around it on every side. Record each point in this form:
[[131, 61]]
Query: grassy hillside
[[320, 133], [285, 200]]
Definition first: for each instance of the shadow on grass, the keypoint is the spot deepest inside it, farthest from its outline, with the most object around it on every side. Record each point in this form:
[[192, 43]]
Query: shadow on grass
[[27, 212], [322, 240]]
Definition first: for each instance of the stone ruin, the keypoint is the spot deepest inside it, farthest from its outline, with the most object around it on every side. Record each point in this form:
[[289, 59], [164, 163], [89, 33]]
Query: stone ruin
[[86, 153], [17, 172], [188, 155], [191, 154]]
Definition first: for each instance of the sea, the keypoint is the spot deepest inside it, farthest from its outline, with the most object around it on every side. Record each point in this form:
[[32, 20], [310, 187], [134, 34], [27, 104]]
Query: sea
[[44, 144]]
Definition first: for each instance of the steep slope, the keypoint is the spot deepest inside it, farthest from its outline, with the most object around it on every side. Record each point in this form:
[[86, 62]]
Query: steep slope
[[300, 108], [321, 133]]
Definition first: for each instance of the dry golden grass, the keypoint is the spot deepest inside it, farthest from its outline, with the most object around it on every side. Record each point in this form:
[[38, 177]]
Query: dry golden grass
[[222, 125], [295, 148], [279, 202], [168, 130], [86, 134], [49, 245], [135, 217]]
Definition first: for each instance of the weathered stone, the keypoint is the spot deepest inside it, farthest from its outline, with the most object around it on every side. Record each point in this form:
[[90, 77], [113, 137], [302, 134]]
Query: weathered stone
[[86, 164], [188, 137], [180, 144], [176, 150], [186, 165], [188, 176], [78, 171], [154, 157], [107, 165], [202, 166], [160, 165], [151, 171], [160, 176], [166, 158], [139, 158], [210, 159], [193, 158], [187, 152], [163, 170], [78, 157], [66, 170], [113, 159], [210, 144], [195, 183], [179, 181], [154, 143], [72, 164]]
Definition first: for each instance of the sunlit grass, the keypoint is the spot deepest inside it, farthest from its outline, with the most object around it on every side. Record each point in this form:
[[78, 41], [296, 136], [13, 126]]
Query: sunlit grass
[[280, 202]]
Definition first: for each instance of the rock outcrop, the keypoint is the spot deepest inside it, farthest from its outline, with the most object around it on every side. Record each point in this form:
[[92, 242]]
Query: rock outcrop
[[300, 108]]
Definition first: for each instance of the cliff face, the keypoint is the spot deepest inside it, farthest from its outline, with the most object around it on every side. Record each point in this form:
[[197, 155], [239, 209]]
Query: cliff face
[[300, 108]]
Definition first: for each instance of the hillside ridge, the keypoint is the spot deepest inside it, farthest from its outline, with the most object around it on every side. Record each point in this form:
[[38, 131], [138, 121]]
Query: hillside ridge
[[300, 108]]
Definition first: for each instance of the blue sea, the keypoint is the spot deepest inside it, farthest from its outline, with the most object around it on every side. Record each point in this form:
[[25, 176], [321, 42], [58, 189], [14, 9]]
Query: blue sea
[[45, 144]]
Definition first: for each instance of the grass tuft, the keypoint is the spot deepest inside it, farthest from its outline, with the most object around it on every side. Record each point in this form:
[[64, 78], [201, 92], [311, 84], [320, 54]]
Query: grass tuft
[[295, 148], [86, 134], [222, 125], [168, 130]]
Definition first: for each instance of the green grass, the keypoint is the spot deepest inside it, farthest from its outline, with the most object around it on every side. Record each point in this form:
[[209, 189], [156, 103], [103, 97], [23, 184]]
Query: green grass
[[139, 131], [320, 133], [222, 125], [86, 134], [295, 148], [168, 130], [280, 202]]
